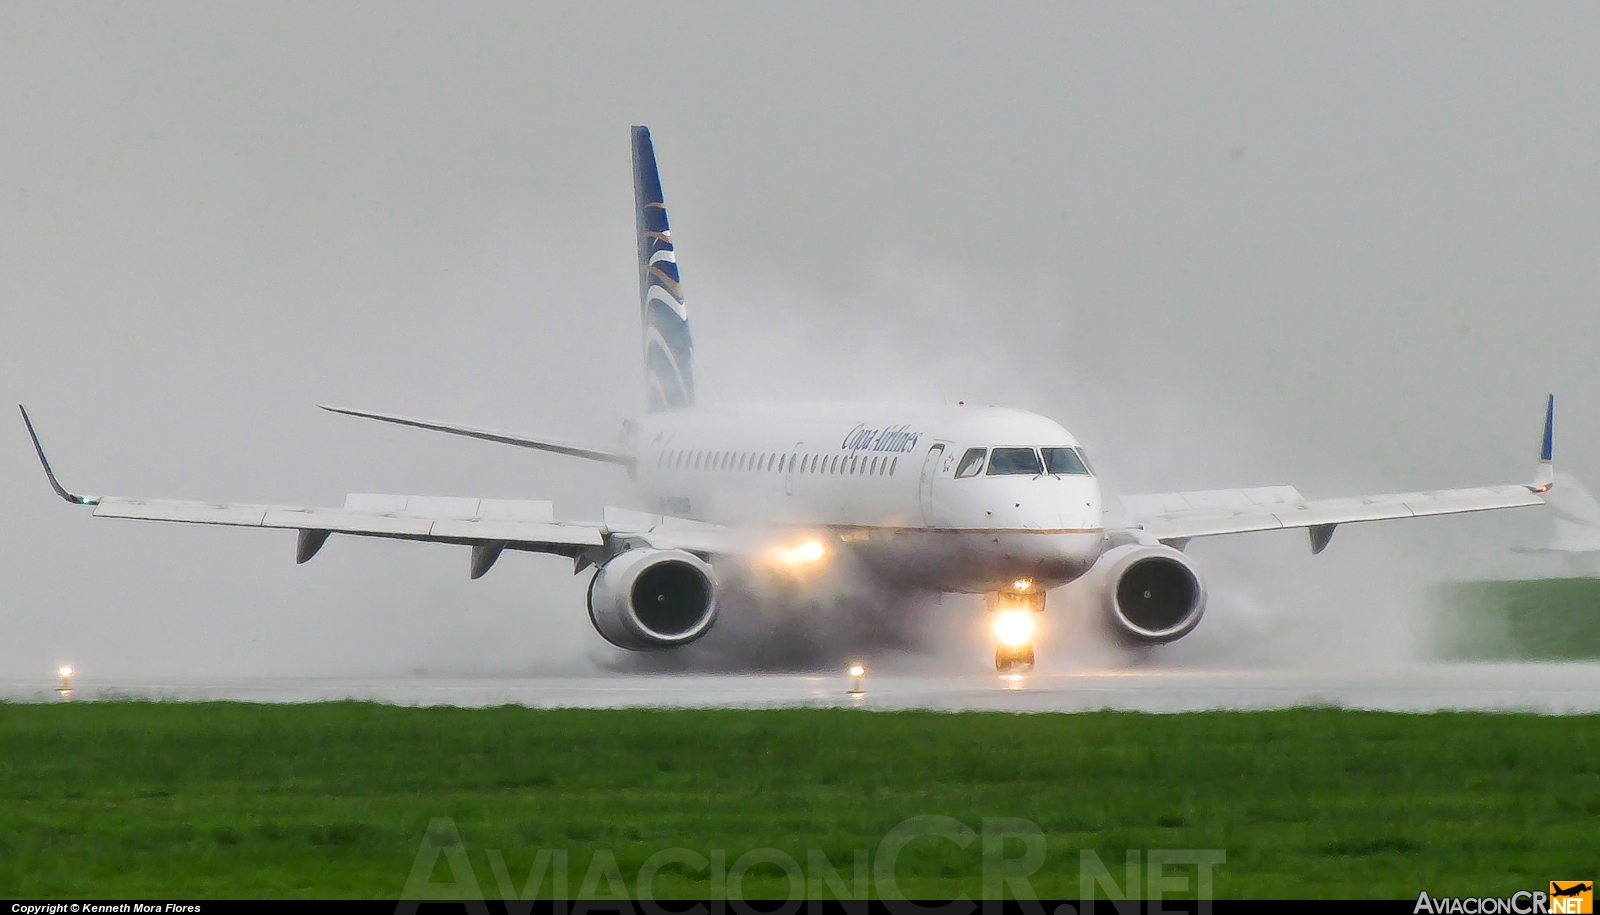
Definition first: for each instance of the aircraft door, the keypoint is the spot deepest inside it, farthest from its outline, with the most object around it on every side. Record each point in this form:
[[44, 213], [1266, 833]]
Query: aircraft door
[[930, 470], [788, 470]]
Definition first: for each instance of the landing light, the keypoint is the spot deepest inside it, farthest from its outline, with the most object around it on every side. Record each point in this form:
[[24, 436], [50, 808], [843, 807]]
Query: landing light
[[1013, 627], [856, 673], [808, 552], [1021, 584], [65, 672]]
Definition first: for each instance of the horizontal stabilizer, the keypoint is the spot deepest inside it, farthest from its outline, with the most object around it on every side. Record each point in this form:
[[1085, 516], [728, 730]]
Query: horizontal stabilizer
[[492, 435]]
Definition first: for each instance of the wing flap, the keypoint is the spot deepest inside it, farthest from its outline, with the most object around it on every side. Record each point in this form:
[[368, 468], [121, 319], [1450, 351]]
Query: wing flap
[[184, 512], [518, 532], [340, 521], [451, 508]]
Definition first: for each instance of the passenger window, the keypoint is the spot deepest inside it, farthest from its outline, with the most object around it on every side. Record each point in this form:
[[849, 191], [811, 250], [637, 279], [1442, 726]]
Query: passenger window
[[893, 466], [833, 465], [1064, 460], [1014, 462], [874, 470], [971, 463]]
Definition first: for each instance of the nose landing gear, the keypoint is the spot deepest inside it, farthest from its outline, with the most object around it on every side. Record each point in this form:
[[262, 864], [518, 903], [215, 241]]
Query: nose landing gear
[[1012, 618], [1014, 658]]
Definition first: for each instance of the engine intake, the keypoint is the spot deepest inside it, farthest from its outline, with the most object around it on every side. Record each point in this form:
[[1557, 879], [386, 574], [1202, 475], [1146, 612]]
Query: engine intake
[[647, 598], [1150, 594]]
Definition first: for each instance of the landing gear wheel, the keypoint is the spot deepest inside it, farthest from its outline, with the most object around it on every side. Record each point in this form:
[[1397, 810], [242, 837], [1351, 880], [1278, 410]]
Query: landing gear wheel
[[1008, 659]]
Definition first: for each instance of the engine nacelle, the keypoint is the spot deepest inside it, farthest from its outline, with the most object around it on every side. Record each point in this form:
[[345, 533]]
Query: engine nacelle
[[1151, 595], [647, 598]]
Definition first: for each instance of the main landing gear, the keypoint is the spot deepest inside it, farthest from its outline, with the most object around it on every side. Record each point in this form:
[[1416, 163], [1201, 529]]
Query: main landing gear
[[1012, 619]]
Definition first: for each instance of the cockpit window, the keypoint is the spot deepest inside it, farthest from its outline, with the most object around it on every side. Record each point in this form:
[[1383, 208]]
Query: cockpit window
[[1064, 460], [971, 463], [1004, 461]]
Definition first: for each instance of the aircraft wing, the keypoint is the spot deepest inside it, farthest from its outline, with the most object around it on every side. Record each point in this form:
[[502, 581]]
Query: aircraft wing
[[1175, 517], [489, 526], [1181, 516], [492, 435]]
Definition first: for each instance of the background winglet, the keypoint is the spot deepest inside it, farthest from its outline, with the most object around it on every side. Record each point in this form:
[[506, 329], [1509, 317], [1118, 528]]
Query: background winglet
[[55, 484], [1545, 477]]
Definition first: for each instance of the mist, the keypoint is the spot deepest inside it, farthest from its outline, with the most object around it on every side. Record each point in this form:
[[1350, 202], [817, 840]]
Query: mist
[[1348, 249]]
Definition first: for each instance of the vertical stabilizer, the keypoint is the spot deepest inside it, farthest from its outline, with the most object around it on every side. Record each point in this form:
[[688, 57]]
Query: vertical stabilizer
[[668, 348]]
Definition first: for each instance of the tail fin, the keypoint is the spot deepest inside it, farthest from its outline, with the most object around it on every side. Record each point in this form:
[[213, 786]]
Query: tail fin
[[668, 348]]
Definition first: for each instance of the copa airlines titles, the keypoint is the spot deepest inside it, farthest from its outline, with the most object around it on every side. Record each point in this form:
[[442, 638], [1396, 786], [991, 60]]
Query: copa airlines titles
[[891, 438]]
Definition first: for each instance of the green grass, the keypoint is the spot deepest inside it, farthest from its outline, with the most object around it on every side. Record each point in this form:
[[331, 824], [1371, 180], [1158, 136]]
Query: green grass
[[228, 800], [1539, 619]]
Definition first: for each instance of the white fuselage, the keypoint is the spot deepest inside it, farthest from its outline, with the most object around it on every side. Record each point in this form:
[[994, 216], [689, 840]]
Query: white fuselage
[[884, 479]]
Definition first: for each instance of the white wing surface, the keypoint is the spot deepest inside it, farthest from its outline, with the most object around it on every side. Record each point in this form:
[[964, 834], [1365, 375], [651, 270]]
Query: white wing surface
[[489, 526], [1181, 516], [1175, 517]]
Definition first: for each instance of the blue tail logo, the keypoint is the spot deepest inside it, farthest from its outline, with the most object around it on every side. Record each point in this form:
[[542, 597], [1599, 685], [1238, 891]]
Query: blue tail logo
[[668, 348]]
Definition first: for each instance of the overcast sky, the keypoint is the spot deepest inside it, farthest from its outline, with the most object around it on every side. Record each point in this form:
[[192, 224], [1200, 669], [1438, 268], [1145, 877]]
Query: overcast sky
[[1348, 247]]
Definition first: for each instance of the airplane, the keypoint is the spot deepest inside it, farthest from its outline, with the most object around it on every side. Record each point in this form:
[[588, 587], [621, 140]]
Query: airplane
[[983, 500]]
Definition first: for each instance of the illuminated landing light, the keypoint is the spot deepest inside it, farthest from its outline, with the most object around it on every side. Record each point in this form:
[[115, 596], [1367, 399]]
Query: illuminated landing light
[[1013, 627], [1022, 584], [856, 673], [805, 553], [65, 689]]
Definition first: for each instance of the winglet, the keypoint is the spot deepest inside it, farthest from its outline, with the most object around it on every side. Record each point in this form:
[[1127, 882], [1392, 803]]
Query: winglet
[[1543, 480], [55, 484]]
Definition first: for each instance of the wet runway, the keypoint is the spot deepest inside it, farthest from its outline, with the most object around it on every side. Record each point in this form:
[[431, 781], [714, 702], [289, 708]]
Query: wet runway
[[1555, 688]]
